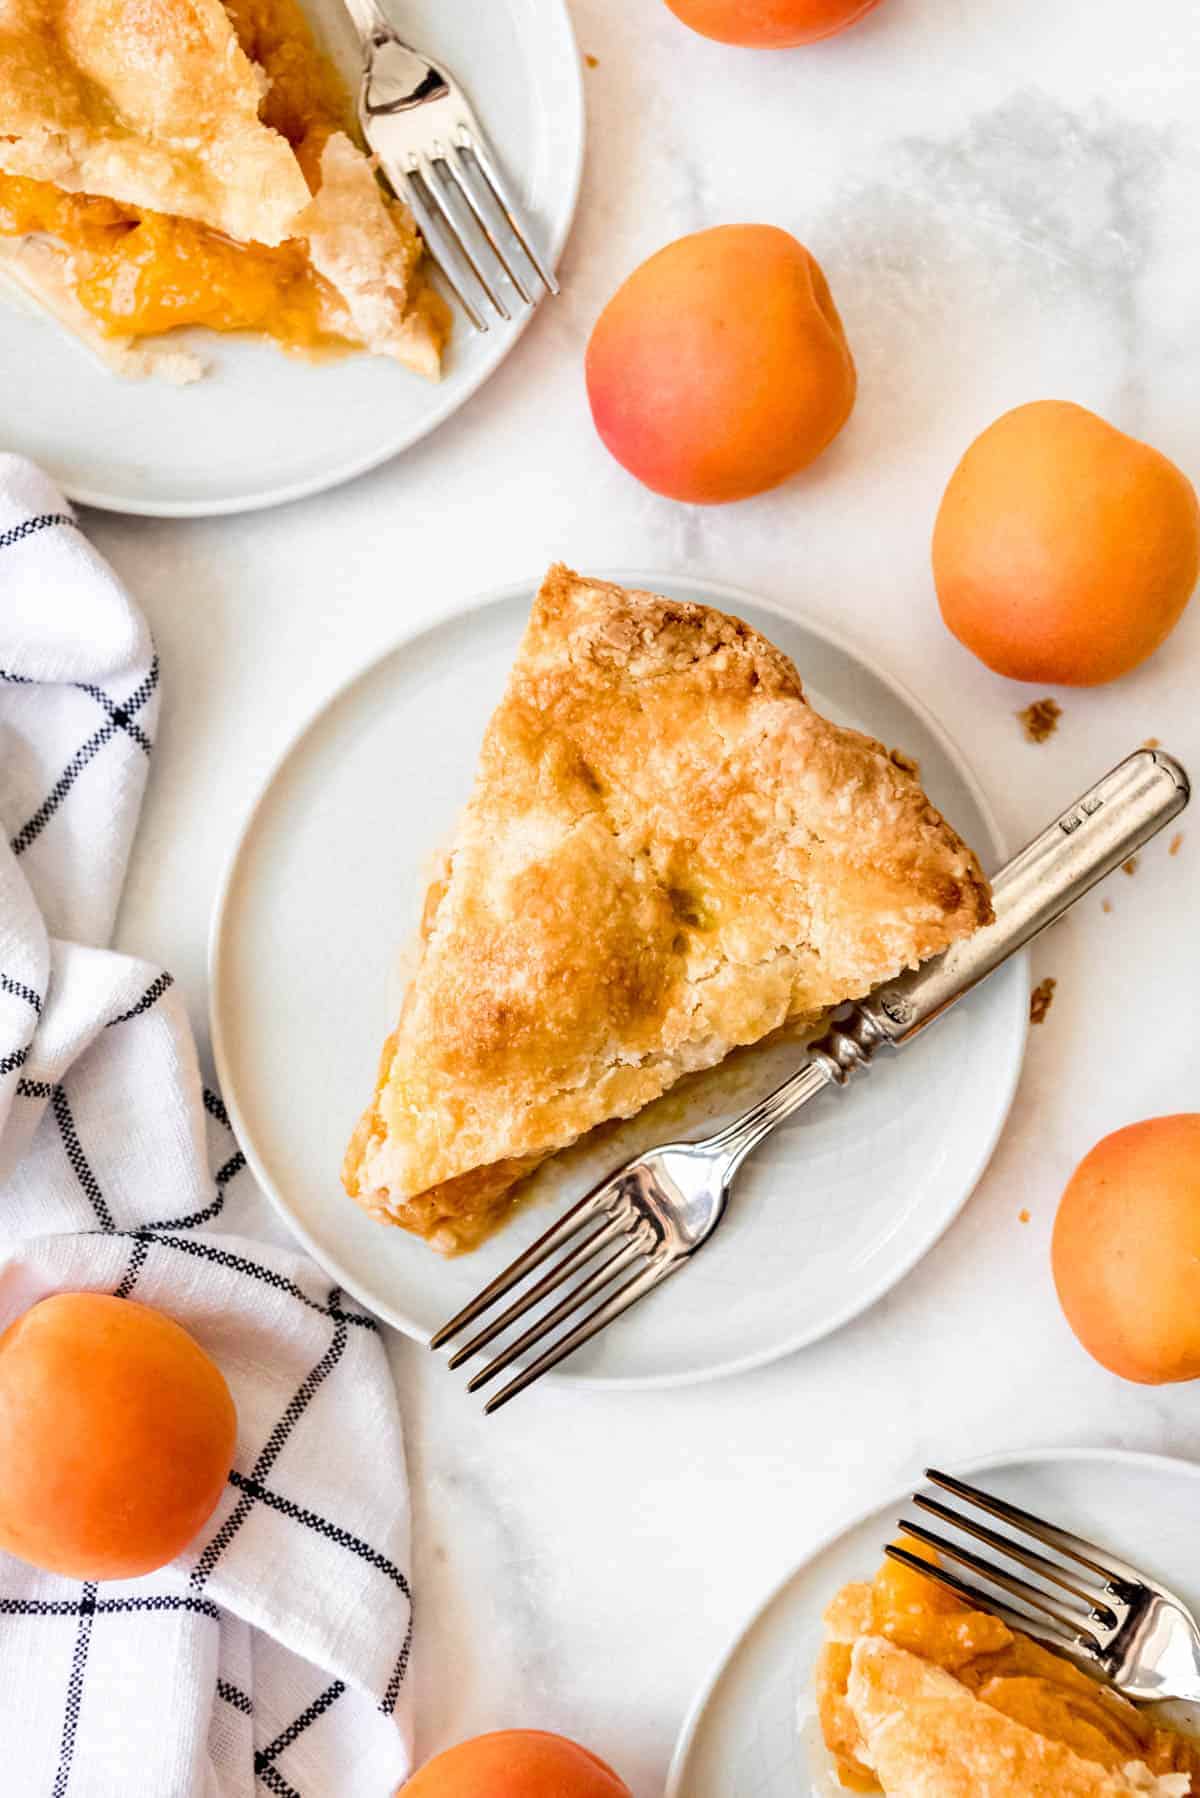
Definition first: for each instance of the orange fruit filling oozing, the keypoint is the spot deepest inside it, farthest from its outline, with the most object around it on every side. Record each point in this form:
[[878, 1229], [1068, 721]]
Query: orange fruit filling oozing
[[140, 273]]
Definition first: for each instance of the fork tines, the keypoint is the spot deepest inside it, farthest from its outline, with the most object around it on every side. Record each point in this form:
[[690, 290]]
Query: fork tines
[[459, 196], [1083, 1625], [605, 1238]]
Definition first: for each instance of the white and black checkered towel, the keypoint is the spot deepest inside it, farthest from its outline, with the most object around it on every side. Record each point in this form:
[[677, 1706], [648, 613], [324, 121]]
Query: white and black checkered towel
[[273, 1656]]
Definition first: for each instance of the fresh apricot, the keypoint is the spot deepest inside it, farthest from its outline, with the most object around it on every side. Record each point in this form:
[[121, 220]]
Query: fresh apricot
[[1126, 1250], [770, 24], [720, 367], [116, 1436], [1064, 551], [516, 1763]]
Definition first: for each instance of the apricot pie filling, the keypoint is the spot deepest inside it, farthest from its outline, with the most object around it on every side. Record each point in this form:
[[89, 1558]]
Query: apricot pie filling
[[904, 1616], [345, 276]]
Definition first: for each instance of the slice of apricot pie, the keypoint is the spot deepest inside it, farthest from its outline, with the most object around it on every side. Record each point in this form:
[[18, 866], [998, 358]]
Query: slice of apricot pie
[[918, 1694], [667, 854], [182, 162]]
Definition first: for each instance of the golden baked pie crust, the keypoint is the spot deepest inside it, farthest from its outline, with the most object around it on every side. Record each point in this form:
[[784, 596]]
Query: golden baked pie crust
[[172, 162], [667, 855]]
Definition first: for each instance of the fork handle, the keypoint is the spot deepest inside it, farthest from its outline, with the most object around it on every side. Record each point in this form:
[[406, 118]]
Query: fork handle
[[1105, 826]]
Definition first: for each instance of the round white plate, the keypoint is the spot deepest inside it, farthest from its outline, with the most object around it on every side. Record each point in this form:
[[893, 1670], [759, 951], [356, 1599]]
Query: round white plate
[[741, 1739], [262, 427], [326, 885]]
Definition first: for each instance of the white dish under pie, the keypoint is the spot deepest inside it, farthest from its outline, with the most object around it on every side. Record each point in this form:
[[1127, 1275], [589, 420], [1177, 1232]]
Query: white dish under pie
[[329, 875], [263, 427]]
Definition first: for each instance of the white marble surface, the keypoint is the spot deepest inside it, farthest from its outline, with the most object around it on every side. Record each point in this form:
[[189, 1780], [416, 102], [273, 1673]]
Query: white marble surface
[[1003, 193]]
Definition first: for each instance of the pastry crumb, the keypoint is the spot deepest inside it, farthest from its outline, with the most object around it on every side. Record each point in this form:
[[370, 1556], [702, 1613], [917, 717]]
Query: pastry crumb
[[593, 62], [1131, 866], [1152, 743], [1040, 720], [1041, 999], [1106, 905], [908, 764], [1176, 843], [1023, 1215]]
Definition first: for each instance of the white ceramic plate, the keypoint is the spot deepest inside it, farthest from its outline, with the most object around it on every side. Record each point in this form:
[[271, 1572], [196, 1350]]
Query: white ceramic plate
[[327, 881], [741, 1740], [261, 427]]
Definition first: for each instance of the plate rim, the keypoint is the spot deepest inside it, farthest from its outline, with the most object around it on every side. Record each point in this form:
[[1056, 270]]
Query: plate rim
[[970, 1468], [506, 340], [725, 595]]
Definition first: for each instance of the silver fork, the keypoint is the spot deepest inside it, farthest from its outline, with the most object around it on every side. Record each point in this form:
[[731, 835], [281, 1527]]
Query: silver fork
[[649, 1217], [432, 150], [1113, 1619]]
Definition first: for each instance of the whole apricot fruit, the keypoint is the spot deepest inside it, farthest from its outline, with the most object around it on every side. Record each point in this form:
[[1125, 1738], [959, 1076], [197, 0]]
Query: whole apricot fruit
[[770, 24], [1064, 551], [1126, 1250], [116, 1434], [720, 367], [516, 1763]]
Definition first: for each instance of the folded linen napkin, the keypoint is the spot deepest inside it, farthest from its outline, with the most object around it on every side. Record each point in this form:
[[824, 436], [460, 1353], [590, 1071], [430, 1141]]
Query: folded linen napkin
[[273, 1656]]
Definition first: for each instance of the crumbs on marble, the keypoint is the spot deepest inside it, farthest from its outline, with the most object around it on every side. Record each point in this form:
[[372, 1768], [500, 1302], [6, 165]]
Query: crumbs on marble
[[593, 62], [1106, 905], [1023, 1215], [1152, 743], [1040, 720], [1176, 843], [1041, 999], [1131, 866], [908, 764]]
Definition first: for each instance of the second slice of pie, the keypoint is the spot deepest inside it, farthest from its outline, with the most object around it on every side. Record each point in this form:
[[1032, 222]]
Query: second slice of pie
[[667, 855]]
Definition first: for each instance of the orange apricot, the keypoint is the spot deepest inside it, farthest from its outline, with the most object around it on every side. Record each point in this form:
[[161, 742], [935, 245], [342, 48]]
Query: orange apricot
[[720, 367], [770, 24], [1126, 1250], [1064, 551], [116, 1435], [516, 1763]]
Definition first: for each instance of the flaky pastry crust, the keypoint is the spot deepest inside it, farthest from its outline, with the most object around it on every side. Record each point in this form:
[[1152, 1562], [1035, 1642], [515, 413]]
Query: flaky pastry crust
[[154, 104], [926, 1736], [149, 102], [370, 253], [667, 854]]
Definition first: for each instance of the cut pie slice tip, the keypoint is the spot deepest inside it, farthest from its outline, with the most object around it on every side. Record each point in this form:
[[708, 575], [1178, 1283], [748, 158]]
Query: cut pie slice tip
[[667, 855]]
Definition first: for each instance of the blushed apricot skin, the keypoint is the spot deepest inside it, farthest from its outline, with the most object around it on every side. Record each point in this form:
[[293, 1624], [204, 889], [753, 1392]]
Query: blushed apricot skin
[[516, 1763], [1064, 551], [116, 1435], [770, 24], [720, 368], [1126, 1251]]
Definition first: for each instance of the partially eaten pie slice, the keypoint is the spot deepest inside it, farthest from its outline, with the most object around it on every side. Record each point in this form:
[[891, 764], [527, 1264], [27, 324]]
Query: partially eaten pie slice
[[925, 1735], [920, 1695], [667, 854], [182, 162]]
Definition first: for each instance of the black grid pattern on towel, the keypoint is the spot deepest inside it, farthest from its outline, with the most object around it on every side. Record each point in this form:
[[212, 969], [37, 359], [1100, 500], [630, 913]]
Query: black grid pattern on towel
[[29, 527], [82, 1612], [241, 1701], [273, 1447], [19, 990], [153, 993], [251, 1488], [120, 715]]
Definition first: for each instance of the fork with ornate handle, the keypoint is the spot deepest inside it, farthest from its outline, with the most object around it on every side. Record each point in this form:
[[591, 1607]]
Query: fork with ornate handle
[[650, 1216]]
